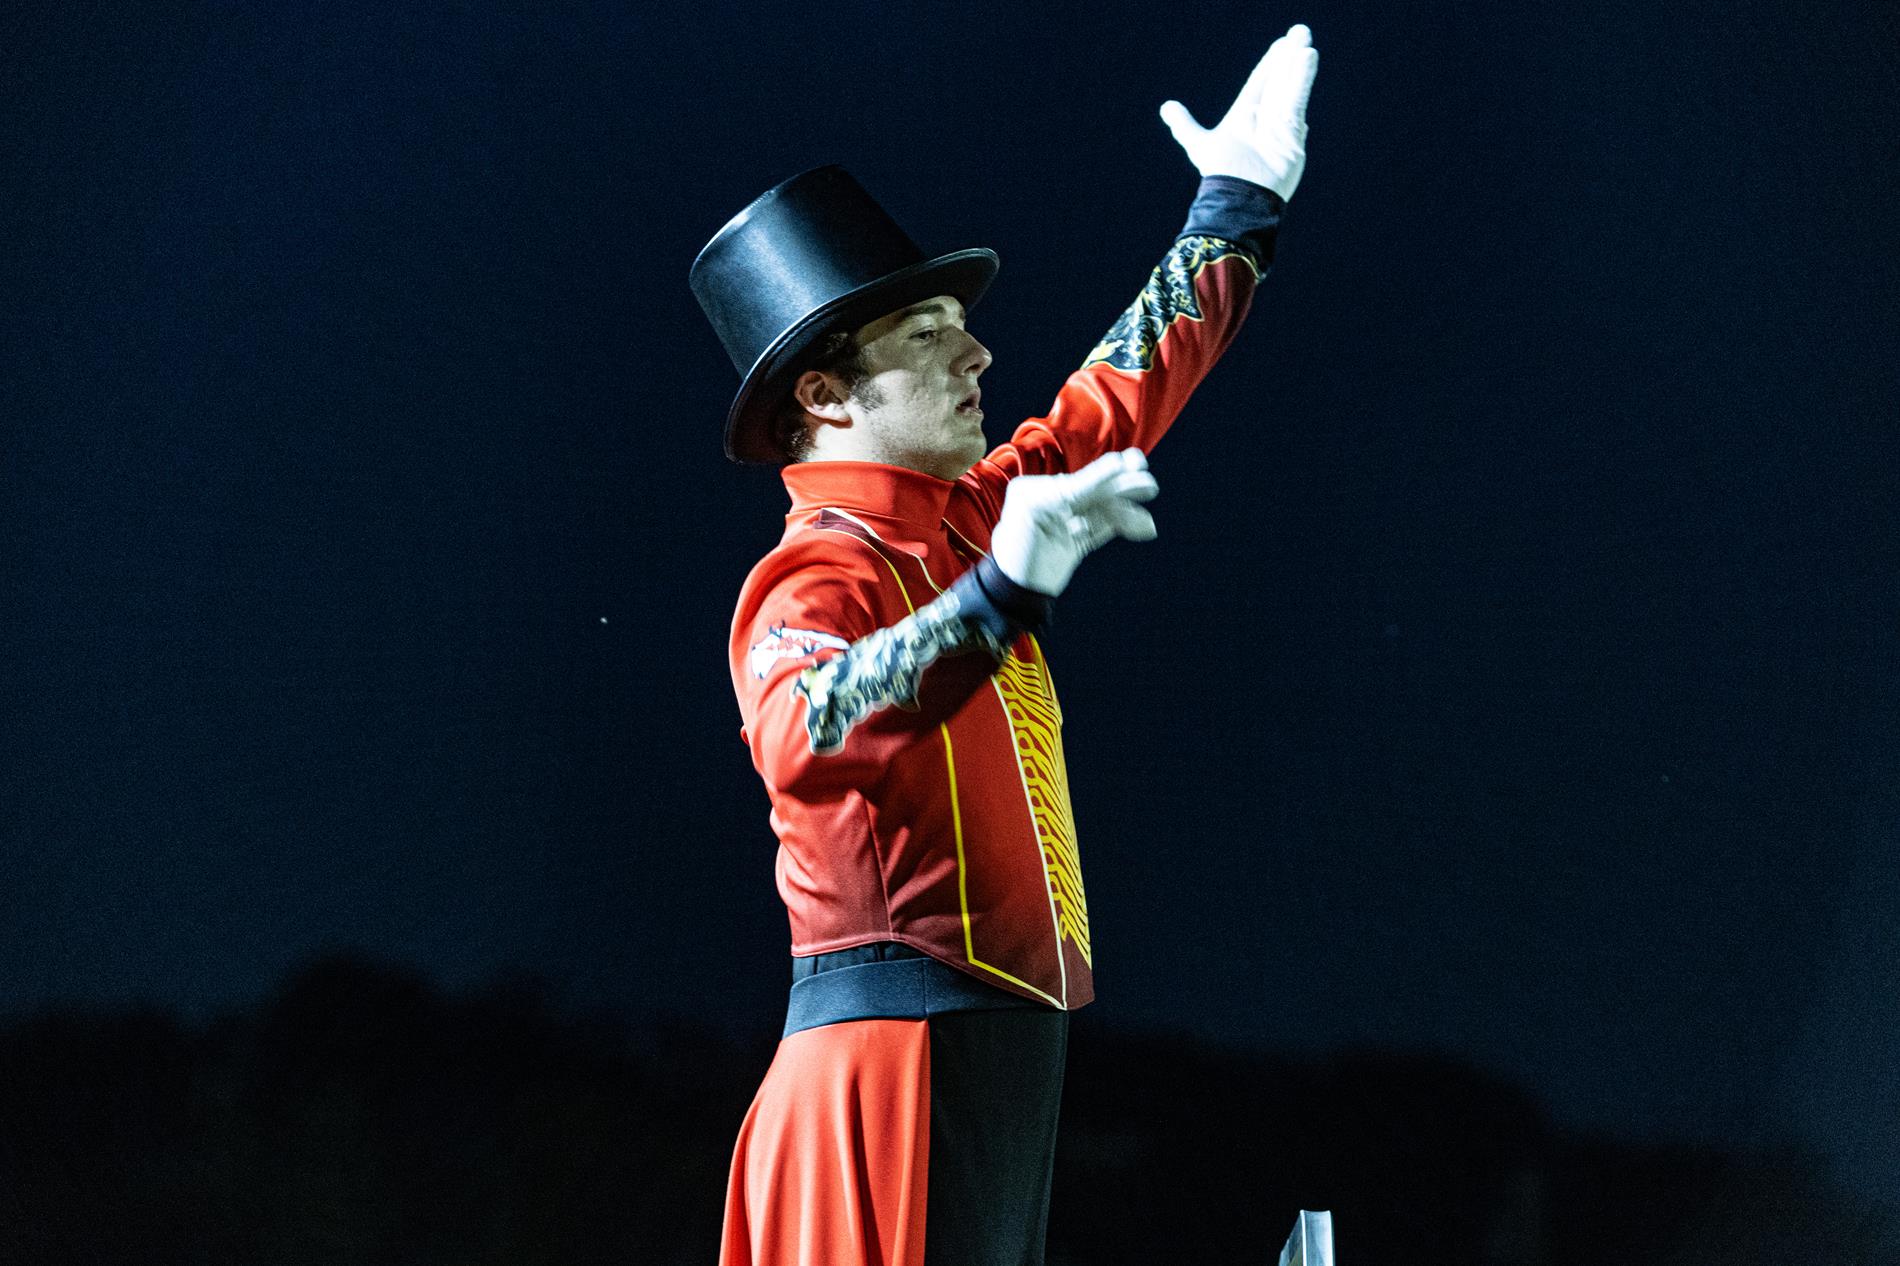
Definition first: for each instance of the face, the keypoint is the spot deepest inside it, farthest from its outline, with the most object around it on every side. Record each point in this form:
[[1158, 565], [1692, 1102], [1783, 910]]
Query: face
[[910, 410]]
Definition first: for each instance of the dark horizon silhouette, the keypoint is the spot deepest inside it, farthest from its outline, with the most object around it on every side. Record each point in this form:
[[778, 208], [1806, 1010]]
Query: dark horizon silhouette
[[359, 1114]]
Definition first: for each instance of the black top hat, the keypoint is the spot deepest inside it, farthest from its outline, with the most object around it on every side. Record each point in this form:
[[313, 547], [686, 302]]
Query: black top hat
[[809, 256]]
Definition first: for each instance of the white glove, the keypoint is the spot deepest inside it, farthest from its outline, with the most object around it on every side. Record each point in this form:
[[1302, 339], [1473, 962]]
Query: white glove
[[1051, 522], [1262, 137]]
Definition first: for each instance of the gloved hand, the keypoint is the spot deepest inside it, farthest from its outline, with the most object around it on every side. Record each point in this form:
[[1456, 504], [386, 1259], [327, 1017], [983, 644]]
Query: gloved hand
[[1051, 522], [1262, 137]]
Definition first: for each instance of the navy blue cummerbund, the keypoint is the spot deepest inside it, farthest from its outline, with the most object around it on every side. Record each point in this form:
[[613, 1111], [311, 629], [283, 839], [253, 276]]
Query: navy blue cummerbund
[[892, 989]]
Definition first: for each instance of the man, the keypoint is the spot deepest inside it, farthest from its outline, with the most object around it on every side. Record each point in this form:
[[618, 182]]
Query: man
[[896, 699]]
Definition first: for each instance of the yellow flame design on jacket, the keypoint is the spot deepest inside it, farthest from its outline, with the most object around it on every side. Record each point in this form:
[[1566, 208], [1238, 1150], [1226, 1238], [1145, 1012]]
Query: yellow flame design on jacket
[[1036, 719]]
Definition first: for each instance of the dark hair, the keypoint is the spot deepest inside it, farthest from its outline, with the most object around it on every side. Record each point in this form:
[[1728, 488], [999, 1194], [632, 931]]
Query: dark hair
[[837, 353]]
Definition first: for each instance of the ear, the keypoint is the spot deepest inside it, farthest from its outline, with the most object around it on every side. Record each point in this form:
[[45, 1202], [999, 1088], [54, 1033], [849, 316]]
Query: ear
[[816, 393]]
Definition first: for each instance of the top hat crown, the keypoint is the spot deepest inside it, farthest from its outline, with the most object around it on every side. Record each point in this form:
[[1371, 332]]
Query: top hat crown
[[809, 256]]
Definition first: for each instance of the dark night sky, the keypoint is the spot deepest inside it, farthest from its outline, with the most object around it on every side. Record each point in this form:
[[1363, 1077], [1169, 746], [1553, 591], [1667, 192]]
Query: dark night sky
[[1515, 675]]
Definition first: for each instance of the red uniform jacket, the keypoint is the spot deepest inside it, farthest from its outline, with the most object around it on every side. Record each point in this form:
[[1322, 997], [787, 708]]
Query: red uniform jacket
[[917, 783]]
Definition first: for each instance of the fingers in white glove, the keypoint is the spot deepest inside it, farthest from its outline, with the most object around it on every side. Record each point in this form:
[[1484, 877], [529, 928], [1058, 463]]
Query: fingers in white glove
[[1288, 65], [1181, 122], [1126, 520], [1134, 485], [1280, 81], [1285, 94], [1104, 502], [1051, 522], [1105, 468], [1262, 137]]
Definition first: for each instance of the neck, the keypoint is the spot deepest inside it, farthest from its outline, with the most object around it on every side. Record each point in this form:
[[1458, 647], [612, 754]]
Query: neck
[[857, 444]]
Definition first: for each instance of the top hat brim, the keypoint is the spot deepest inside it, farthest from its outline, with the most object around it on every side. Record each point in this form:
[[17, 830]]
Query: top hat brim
[[965, 274]]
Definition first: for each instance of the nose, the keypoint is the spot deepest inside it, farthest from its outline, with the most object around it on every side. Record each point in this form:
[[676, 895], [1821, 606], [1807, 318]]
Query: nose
[[976, 358]]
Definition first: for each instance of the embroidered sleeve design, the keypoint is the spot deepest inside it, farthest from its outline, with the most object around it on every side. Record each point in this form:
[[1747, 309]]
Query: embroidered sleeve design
[[1130, 343], [886, 667]]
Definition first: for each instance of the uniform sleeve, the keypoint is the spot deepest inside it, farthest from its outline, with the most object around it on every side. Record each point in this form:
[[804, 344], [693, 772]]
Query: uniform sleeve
[[1136, 380], [827, 693]]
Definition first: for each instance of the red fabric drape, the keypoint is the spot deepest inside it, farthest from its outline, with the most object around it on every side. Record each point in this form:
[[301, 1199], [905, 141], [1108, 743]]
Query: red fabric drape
[[832, 1163]]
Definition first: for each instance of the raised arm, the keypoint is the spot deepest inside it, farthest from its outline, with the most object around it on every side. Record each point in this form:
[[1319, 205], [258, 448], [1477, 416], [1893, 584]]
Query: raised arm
[[1135, 382]]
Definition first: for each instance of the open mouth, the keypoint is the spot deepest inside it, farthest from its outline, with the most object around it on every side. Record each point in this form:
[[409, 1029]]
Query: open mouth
[[971, 403]]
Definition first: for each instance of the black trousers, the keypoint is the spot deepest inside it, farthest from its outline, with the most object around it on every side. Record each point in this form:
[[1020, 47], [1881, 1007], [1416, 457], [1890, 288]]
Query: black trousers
[[995, 1094], [995, 1090]]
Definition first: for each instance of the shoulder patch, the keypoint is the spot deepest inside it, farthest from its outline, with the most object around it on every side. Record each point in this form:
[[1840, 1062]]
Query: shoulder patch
[[780, 642]]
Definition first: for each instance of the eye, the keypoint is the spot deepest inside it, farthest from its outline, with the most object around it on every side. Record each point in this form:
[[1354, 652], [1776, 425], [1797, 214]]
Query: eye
[[925, 334]]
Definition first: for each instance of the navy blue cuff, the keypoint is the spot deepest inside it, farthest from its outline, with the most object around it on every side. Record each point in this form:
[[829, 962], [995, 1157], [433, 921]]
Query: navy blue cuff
[[1000, 605], [1237, 211], [1025, 608]]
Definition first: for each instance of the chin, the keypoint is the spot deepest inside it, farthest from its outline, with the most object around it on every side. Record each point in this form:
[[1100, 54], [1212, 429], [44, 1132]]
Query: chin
[[968, 455]]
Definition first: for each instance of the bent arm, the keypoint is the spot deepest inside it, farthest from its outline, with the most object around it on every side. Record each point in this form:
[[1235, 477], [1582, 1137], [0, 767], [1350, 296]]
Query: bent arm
[[982, 611], [828, 693]]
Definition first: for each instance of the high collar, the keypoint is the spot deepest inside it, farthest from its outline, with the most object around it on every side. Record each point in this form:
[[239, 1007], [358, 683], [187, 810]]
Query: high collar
[[888, 492]]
